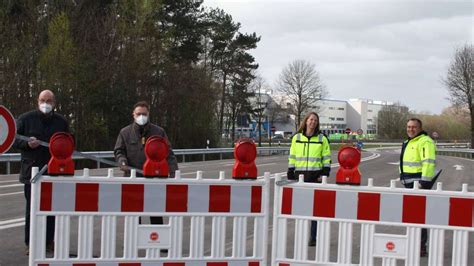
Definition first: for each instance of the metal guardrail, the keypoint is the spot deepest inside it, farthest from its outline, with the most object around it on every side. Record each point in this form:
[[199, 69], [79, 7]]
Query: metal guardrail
[[9, 158], [464, 153]]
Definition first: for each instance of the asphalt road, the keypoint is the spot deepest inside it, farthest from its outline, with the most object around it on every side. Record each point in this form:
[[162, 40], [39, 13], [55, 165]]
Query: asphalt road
[[380, 165]]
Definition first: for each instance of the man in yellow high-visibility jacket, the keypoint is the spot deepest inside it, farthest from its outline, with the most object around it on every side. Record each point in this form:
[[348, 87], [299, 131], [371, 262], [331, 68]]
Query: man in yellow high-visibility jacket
[[418, 163]]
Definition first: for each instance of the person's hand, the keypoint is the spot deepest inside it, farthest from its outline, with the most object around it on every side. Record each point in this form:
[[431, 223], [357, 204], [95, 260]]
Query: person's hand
[[33, 143], [290, 175], [124, 167]]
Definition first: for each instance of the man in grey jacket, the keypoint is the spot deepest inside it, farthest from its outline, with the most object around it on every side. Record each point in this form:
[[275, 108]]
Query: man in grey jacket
[[129, 148]]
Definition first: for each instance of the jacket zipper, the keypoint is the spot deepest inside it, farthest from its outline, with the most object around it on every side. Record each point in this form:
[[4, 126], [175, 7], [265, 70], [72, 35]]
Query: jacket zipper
[[307, 154]]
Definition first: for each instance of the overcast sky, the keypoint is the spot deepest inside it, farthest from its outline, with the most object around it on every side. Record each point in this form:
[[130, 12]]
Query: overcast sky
[[393, 50]]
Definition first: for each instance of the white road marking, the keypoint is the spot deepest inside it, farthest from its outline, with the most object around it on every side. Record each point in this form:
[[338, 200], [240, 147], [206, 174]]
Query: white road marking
[[15, 185], [265, 164], [17, 222], [9, 181], [12, 221], [11, 225], [458, 167], [13, 193]]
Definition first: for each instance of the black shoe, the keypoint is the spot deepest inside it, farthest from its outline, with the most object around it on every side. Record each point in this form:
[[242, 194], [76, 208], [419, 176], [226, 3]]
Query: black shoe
[[50, 248], [423, 252], [312, 243]]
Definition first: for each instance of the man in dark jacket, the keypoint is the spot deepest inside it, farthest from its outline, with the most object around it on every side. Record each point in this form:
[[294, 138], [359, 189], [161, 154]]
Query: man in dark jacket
[[129, 148], [39, 125]]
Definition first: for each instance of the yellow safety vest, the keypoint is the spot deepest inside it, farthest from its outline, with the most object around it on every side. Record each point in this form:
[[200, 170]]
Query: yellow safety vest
[[309, 154], [418, 159]]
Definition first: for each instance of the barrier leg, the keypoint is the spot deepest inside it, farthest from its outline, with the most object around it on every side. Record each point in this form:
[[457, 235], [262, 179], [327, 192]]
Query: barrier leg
[[414, 244], [196, 250], [367, 244], [239, 237], [37, 224], [218, 237], [323, 241], [259, 236], [130, 239], [344, 253], [277, 223], [85, 235], [176, 249], [301, 239], [61, 237], [436, 252], [281, 239], [460, 247], [108, 236], [38, 242], [389, 262], [152, 253]]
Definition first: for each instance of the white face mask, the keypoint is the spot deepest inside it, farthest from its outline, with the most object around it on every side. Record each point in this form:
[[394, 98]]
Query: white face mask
[[141, 120], [45, 108]]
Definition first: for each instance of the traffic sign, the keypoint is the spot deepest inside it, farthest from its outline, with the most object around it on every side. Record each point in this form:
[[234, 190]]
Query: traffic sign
[[7, 129], [348, 131], [360, 131], [435, 135]]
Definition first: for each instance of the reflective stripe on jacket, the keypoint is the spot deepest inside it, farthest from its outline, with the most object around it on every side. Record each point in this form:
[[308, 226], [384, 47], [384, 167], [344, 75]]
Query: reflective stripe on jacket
[[309, 154], [418, 159]]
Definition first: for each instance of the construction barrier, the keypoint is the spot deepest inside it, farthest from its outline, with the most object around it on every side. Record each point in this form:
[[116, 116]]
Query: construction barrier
[[297, 204], [86, 206]]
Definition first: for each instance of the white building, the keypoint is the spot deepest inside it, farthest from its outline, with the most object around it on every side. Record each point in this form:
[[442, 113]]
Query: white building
[[357, 114]]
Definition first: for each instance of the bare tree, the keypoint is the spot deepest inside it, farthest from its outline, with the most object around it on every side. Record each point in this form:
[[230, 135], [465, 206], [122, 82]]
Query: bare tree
[[301, 83], [391, 121], [259, 104], [459, 81]]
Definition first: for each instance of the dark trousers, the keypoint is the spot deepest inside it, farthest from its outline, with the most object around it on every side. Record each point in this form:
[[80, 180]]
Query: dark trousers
[[424, 231], [50, 221], [153, 219], [314, 230]]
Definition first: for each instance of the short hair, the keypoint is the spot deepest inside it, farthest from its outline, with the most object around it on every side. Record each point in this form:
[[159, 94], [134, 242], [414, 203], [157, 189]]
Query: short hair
[[416, 120], [142, 104]]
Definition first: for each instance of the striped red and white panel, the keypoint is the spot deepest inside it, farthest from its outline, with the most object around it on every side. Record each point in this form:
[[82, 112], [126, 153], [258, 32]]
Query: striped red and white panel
[[194, 263], [107, 197], [374, 206]]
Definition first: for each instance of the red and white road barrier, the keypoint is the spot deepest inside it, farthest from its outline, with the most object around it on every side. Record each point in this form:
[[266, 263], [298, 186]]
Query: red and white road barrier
[[370, 206], [111, 207]]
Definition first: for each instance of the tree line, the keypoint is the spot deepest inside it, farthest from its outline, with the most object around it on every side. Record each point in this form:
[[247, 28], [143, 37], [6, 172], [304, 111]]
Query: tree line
[[191, 63]]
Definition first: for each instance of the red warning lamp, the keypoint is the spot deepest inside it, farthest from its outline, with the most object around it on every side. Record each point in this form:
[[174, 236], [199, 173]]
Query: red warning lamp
[[61, 147], [245, 153], [156, 152], [348, 173]]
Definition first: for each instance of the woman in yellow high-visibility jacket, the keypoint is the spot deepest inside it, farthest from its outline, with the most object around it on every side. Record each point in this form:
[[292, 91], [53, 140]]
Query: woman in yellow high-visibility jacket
[[310, 156]]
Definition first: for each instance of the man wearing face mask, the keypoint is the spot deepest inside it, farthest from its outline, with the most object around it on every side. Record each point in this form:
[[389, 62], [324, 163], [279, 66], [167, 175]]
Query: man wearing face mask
[[129, 148], [39, 125]]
